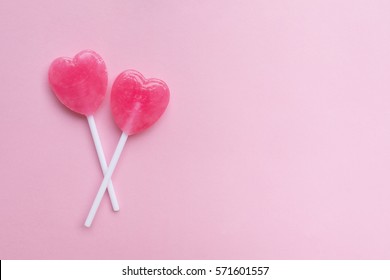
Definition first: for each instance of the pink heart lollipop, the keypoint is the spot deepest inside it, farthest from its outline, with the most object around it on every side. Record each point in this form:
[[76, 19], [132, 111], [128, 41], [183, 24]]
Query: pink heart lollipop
[[80, 84], [136, 104]]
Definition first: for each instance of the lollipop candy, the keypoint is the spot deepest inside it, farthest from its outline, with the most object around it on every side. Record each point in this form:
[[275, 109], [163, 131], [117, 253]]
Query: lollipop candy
[[80, 84], [136, 104]]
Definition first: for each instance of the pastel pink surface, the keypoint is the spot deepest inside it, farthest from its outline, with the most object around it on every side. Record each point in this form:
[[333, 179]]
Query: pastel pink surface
[[79, 83], [276, 144], [137, 103]]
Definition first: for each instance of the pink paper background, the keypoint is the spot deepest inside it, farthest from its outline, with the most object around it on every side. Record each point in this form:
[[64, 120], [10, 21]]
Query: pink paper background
[[276, 143]]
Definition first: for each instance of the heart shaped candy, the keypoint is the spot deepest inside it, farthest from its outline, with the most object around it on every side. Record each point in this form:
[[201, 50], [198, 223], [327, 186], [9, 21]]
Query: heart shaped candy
[[79, 83], [136, 102]]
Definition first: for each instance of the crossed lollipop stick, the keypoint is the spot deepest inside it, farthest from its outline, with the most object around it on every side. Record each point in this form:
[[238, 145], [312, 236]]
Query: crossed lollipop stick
[[103, 163], [136, 104]]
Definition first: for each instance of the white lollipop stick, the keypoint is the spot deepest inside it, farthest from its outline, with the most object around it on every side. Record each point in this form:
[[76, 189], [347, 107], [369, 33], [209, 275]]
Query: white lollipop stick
[[107, 177], [102, 160]]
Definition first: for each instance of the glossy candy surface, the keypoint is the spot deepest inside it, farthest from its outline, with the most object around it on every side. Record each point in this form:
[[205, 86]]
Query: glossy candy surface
[[80, 83], [136, 102]]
